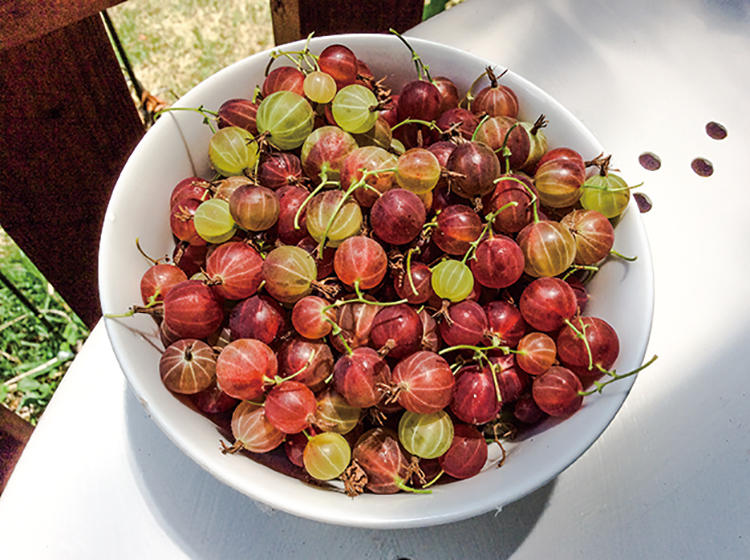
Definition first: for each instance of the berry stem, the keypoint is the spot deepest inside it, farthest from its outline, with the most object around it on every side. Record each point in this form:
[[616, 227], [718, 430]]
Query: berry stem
[[469, 96], [207, 115], [348, 348], [540, 123], [480, 353], [357, 290], [479, 350], [434, 480], [152, 307], [610, 189], [476, 130], [533, 198], [487, 228], [142, 252], [576, 267], [504, 149], [491, 76], [601, 162], [402, 485], [492, 215], [302, 62], [423, 70], [361, 299], [308, 56], [234, 448], [582, 336], [280, 380], [408, 272], [623, 257], [257, 94], [354, 186], [324, 182], [493, 370], [614, 376], [504, 454], [429, 124], [334, 215], [454, 367]]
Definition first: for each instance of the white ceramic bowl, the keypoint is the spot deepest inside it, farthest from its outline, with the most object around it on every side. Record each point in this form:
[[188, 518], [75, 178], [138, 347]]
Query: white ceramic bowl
[[176, 147]]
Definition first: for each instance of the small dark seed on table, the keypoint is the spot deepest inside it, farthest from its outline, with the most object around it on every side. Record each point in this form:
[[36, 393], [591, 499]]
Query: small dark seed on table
[[702, 167], [650, 161], [643, 201], [716, 131]]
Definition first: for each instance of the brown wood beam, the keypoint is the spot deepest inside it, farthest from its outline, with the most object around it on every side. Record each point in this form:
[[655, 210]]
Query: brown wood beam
[[24, 20], [68, 125], [295, 19], [14, 433]]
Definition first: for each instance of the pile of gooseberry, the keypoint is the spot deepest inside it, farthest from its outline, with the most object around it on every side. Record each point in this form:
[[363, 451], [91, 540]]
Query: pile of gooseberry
[[375, 287]]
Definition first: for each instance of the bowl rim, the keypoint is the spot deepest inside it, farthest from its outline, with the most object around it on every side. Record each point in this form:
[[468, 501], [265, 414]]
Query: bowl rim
[[342, 516]]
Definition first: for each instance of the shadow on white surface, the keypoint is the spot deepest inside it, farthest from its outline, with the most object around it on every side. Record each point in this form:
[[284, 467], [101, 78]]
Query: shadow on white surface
[[680, 444], [207, 519], [732, 13]]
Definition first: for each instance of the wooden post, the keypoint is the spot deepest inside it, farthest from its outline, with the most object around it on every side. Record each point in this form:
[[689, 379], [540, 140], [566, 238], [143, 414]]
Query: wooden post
[[69, 124], [295, 19], [24, 20], [14, 433]]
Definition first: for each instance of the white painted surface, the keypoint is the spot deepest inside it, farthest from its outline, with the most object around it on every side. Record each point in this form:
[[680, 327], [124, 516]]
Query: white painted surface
[[670, 477]]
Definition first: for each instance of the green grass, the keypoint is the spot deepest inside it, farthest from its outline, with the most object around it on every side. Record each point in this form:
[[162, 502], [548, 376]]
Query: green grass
[[35, 349], [175, 44]]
